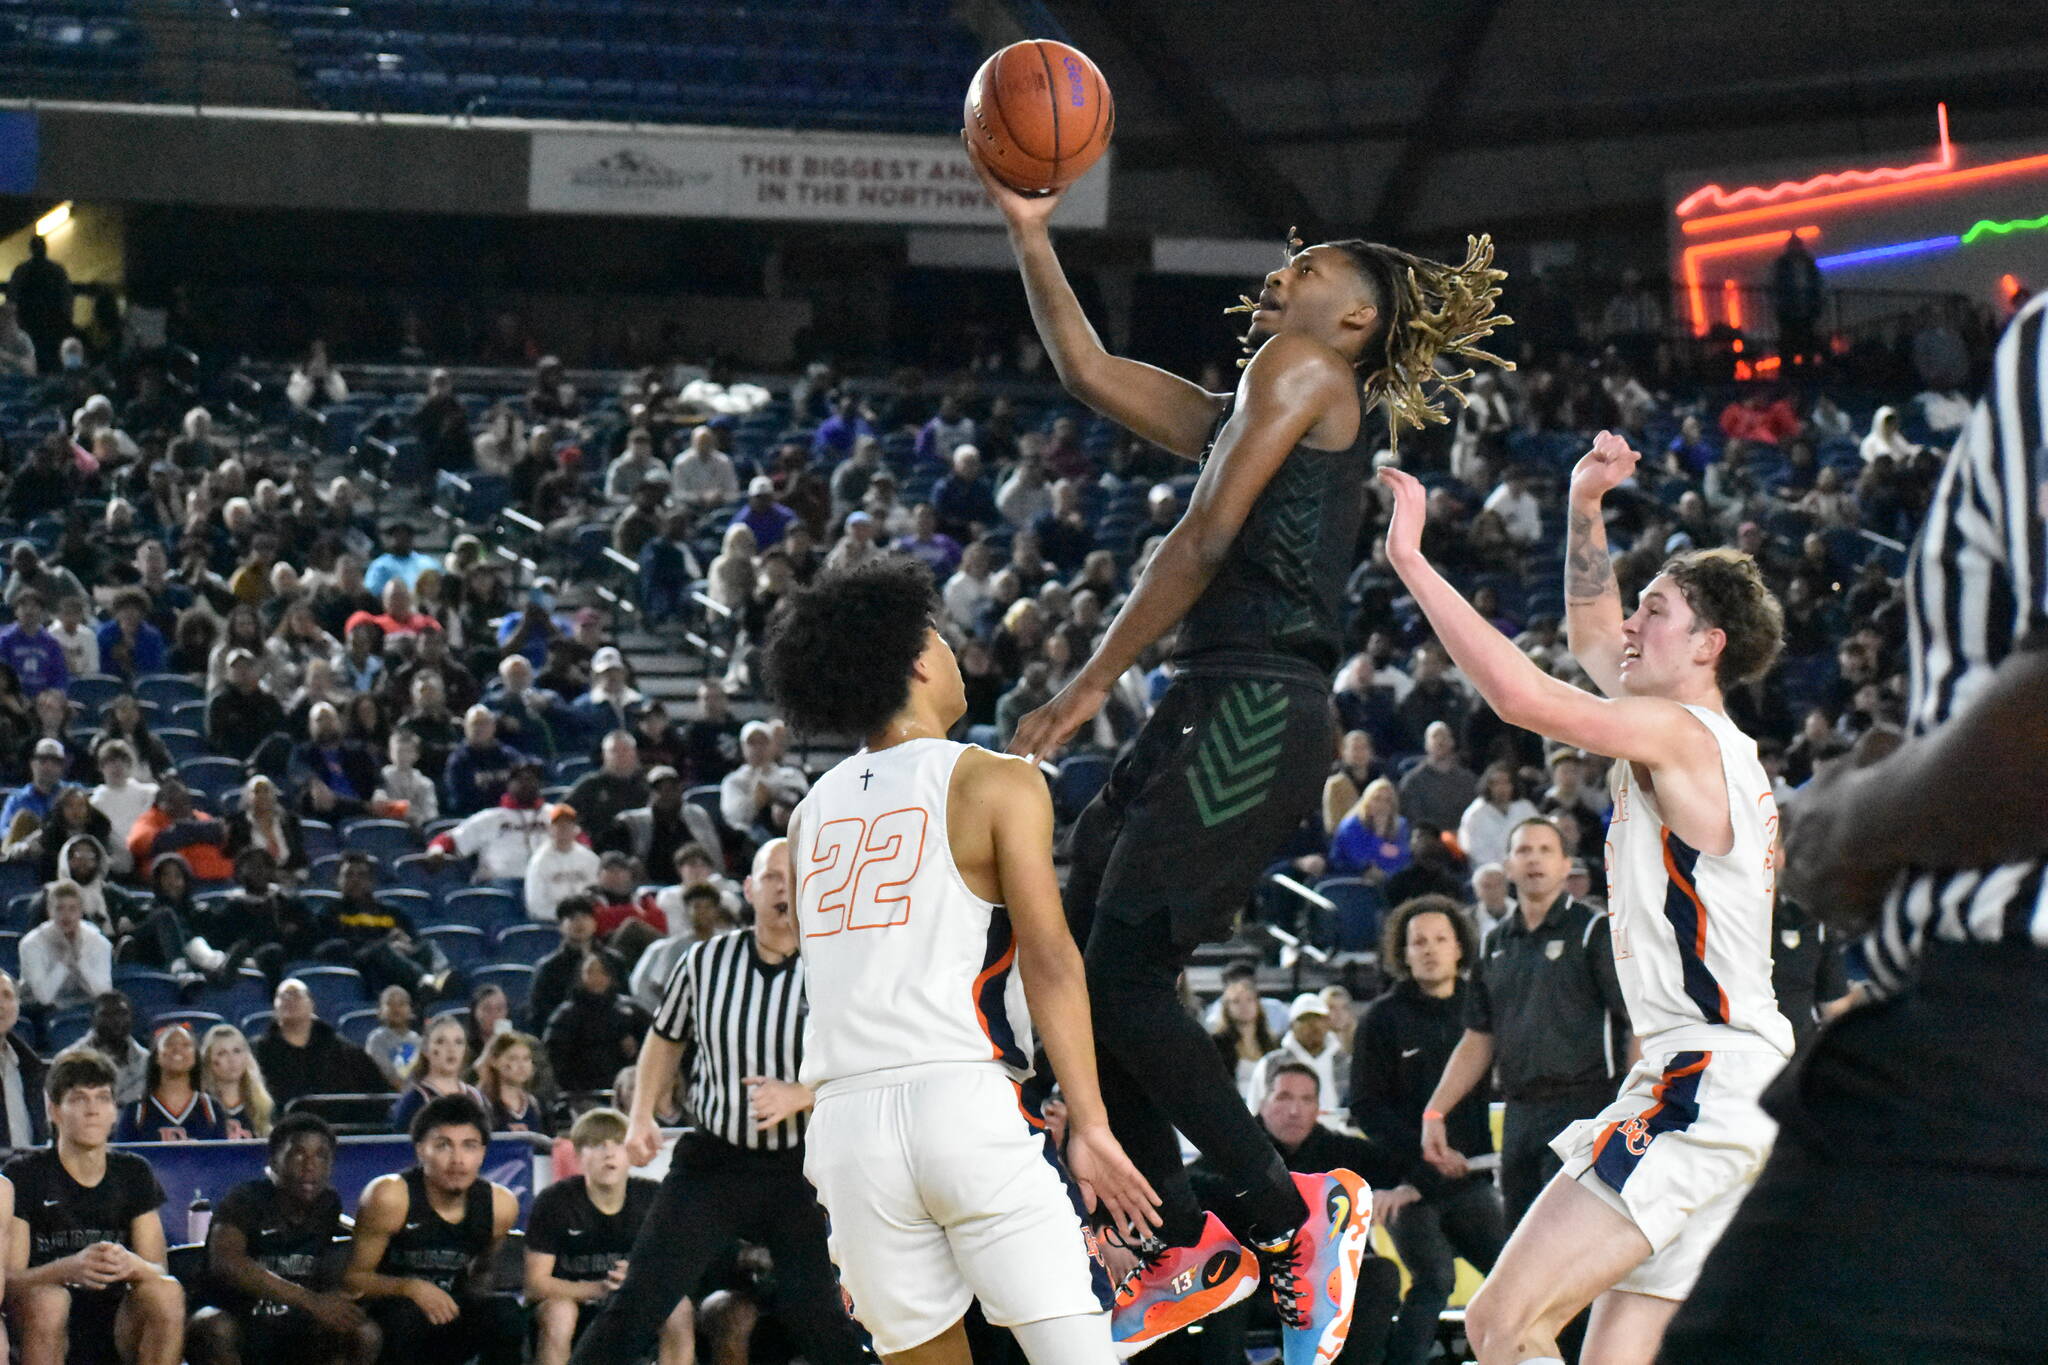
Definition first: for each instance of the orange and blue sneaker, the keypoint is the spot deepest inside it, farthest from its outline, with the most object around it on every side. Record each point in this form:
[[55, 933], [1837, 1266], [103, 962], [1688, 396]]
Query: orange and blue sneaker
[[1175, 1286], [1313, 1273]]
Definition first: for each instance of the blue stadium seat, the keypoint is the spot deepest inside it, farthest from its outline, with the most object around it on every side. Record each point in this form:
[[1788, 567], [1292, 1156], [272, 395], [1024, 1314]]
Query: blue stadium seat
[[199, 1021], [527, 943], [212, 777], [335, 990], [248, 992], [463, 943], [357, 1025], [189, 715], [167, 690], [17, 878], [1360, 907], [151, 992], [416, 870], [65, 1028], [91, 691], [1080, 777], [385, 840], [319, 838], [256, 1023], [184, 745], [515, 977]]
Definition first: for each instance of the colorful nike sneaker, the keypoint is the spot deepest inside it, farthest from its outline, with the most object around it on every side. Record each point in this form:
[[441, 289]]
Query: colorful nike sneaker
[[1313, 1274], [1174, 1286]]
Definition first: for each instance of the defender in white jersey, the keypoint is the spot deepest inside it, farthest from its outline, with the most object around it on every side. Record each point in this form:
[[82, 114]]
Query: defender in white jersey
[[929, 914], [1648, 1184]]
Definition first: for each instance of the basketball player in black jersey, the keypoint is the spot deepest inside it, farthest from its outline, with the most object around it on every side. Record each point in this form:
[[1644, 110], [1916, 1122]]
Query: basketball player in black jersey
[[1235, 755], [425, 1241], [267, 1252]]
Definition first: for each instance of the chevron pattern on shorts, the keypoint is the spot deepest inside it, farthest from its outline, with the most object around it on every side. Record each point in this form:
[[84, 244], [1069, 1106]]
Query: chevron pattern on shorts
[[1239, 753]]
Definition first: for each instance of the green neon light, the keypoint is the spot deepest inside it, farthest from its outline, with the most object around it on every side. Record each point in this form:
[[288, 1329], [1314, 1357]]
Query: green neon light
[[1985, 227]]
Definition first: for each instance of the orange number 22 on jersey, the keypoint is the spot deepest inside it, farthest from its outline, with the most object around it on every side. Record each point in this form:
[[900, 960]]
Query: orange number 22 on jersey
[[861, 868]]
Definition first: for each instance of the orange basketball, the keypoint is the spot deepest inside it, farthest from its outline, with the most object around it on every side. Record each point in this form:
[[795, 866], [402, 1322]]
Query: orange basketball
[[1041, 114]]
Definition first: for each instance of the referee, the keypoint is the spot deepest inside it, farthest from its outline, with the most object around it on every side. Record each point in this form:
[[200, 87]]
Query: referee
[[736, 1005], [1903, 1216]]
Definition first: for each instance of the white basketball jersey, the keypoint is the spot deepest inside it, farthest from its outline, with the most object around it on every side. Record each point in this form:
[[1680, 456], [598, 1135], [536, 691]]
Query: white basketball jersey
[[1691, 931], [904, 965]]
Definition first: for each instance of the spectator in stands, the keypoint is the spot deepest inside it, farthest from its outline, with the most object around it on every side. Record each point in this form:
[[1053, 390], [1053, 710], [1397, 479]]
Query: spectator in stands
[[314, 383], [1439, 788], [702, 477], [267, 1258], [71, 818], [629, 472], [164, 931], [925, 542], [29, 649], [1489, 904], [837, 436], [653, 832], [559, 868], [402, 789], [1514, 501], [344, 595], [401, 560], [173, 824], [302, 1054], [173, 1108], [242, 715], [335, 775], [262, 923], [1372, 839], [759, 795], [646, 517], [612, 701], [1404, 1042], [1243, 1035], [964, 500], [1288, 1106], [940, 439], [92, 1277], [229, 1075], [595, 1030], [436, 1071], [80, 645], [112, 1037], [503, 1073], [1433, 868], [1308, 1040], [526, 716], [504, 837], [768, 519], [66, 962], [554, 976], [394, 1043], [378, 938], [426, 1240], [1435, 696], [480, 768], [1025, 496], [695, 912], [616, 785], [1758, 417], [967, 593], [40, 291], [27, 807], [129, 646], [17, 350], [577, 1240], [123, 719], [23, 1118], [1483, 828], [1355, 770], [1800, 297], [712, 741]]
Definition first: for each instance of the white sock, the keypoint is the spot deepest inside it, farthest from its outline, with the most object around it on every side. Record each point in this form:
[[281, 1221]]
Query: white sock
[[1543, 1360], [1080, 1340]]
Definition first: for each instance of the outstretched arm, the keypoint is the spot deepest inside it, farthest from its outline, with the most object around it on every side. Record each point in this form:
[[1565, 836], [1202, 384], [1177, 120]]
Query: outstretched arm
[[1018, 813], [1592, 599], [1289, 385], [1647, 730], [1163, 408]]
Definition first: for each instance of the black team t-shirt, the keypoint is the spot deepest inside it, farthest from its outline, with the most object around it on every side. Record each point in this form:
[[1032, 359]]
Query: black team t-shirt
[[291, 1250], [585, 1243], [431, 1248], [65, 1217]]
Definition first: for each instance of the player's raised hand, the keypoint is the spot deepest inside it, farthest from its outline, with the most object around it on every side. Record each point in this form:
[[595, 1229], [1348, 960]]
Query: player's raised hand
[[1045, 731], [1605, 467], [1107, 1178], [1411, 509], [1018, 209]]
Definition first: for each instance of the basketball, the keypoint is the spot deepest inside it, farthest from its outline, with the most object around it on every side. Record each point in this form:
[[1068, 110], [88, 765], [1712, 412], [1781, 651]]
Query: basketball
[[1041, 114]]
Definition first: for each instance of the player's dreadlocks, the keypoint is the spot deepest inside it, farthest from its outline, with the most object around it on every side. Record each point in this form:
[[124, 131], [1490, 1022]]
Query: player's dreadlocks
[[1427, 309]]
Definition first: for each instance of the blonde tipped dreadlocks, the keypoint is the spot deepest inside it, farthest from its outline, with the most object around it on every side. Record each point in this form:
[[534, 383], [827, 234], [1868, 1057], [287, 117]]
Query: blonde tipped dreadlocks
[[1428, 309]]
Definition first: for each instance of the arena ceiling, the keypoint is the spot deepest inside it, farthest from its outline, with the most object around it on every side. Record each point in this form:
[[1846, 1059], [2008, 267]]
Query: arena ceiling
[[1416, 121]]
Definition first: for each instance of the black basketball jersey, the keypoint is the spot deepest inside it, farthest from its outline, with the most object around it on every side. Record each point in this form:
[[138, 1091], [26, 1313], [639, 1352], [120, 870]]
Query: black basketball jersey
[[64, 1216], [1281, 587], [291, 1250], [585, 1242], [431, 1248]]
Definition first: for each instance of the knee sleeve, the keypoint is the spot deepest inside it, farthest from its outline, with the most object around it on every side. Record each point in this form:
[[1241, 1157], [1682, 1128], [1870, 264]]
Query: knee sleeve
[[1067, 1341]]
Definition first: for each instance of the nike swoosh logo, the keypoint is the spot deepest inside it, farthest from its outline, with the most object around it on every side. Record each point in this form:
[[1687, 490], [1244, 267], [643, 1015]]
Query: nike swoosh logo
[[1407, 1052], [49, 1203], [1187, 729]]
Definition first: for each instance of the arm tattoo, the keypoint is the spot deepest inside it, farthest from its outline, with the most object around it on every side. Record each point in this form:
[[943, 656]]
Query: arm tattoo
[[1588, 573]]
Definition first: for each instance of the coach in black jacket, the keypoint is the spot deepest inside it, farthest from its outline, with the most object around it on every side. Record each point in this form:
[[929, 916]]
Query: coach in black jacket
[[1398, 1055]]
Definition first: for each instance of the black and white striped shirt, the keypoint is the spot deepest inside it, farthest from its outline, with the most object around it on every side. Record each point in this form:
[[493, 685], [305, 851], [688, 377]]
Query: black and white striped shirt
[[743, 1017], [1977, 588]]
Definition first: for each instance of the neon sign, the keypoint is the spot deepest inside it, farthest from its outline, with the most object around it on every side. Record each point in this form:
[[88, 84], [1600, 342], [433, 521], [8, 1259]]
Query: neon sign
[[1832, 180]]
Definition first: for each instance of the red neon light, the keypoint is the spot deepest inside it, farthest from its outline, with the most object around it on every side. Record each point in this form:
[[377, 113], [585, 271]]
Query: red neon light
[[1731, 303], [1770, 364], [1744, 370], [1945, 159], [1736, 345], [2009, 284], [1689, 266], [1997, 170]]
